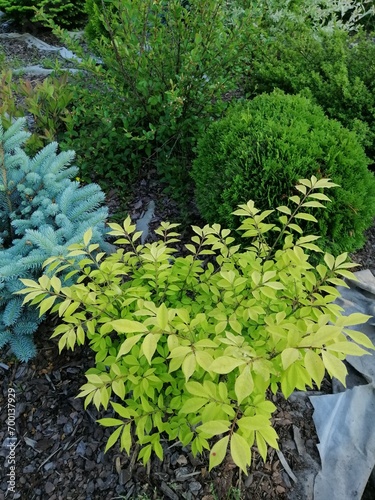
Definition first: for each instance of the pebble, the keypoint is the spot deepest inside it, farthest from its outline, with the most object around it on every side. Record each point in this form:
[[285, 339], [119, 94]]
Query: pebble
[[100, 484], [195, 487], [90, 465], [68, 428], [124, 476], [81, 448], [181, 471], [29, 469], [49, 487], [90, 488]]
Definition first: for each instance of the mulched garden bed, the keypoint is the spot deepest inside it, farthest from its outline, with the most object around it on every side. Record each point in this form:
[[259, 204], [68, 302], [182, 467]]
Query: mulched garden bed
[[59, 452]]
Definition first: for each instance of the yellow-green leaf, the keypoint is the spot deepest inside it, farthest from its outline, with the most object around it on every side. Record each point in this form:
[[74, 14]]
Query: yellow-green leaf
[[127, 345], [214, 427], [315, 367], [192, 405], [335, 367], [126, 439], [295, 199], [225, 364], [188, 366], [289, 356], [352, 319], [110, 422], [269, 435], [127, 326], [244, 385], [319, 196], [162, 316], [253, 423], [46, 304], [118, 387], [313, 204], [149, 345], [284, 210], [87, 237], [204, 359], [195, 388], [240, 451], [349, 348], [261, 445], [329, 260], [304, 216], [113, 438], [360, 338], [218, 452]]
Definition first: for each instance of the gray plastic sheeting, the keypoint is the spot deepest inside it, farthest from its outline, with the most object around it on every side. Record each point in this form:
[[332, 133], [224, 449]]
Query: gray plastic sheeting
[[345, 422]]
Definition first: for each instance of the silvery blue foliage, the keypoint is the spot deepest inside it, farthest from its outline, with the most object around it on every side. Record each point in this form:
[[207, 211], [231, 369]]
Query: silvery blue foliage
[[42, 212]]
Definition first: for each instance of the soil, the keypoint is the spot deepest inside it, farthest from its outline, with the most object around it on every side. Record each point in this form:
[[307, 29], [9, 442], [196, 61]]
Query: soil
[[59, 447]]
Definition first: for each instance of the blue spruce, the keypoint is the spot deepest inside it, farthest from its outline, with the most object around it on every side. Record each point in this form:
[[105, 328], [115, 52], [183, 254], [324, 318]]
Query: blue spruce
[[42, 212]]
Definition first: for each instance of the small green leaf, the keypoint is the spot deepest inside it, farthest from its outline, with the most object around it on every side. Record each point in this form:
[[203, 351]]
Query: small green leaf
[[244, 385], [113, 438], [335, 367], [128, 326], [269, 434], [313, 204], [289, 356], [225, 364], [192, 405], [110, 422], [218, 452], [127, 345], [214, 427], [315, 367], [349, 348], [162, 316], [353, 319], [46, 304], [240, 451], [261, 445], [188, 366], [254, 423], [149, 346], [295, 199], [87, 237], [304, 216], [360, 338], [118, 387], [126, 439], [195, 388], [329, 260]]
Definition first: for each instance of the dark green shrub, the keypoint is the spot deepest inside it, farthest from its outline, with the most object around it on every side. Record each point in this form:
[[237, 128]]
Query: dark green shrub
[[96, 132], [263, 146], [65, 13], [166, 66], [335, 69], [42, 212]]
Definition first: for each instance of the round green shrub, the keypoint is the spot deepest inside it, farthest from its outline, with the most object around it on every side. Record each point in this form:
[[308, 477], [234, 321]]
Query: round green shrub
[[262, 147]]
